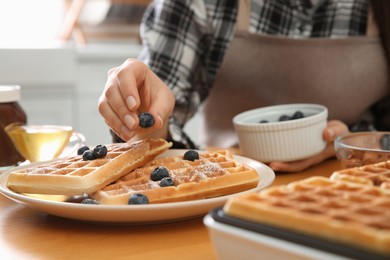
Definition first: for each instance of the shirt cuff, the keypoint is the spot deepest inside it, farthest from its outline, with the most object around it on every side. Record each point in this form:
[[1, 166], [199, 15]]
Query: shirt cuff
[[178, 137]]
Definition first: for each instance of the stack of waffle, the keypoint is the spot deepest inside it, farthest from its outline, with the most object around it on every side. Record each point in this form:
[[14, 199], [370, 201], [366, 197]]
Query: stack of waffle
[[126, 169], [352, 207]]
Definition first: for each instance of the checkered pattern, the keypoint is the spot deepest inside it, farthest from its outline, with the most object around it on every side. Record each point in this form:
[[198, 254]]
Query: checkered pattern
[[185, 40]]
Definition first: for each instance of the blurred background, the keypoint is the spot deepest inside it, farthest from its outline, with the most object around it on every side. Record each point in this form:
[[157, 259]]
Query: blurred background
[[59, 52]]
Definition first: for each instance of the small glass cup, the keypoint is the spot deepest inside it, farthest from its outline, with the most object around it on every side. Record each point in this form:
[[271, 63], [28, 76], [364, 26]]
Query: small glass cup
[[362, 148], [44, 142]]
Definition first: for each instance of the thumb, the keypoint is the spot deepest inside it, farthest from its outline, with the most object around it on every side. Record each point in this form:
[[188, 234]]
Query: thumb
[[333, 129], [161, 107]]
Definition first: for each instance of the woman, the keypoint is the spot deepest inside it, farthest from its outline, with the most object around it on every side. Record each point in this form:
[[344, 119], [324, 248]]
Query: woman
[[221, 58]]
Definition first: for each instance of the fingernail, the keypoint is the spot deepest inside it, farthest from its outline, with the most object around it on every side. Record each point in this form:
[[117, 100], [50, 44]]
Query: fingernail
[[129, 121], [161, 121], [131, 102], [330, 133], [127, 131], [273, 166]]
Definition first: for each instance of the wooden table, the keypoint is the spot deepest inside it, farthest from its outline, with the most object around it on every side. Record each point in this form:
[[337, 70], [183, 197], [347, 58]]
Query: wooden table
[[29, 234]]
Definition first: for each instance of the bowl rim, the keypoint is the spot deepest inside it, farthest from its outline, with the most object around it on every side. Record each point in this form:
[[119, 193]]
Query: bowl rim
[[322, 114], [338, 141]]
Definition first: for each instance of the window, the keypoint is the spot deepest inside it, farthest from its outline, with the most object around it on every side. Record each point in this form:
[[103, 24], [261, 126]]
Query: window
[[29, 22], [40, 22]]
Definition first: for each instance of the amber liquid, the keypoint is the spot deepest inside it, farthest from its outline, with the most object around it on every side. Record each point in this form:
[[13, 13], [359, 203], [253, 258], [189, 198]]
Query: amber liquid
[[39, 142]]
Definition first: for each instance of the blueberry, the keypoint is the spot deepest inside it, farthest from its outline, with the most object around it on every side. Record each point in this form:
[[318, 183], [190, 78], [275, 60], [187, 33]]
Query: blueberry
[[77, 198], [88, 155], [297, 115], [138, 198], [166, 181], [159, 173], [284, 118], [82, 149], [89, 201], [191, 155], [146, 120], [99, 151]]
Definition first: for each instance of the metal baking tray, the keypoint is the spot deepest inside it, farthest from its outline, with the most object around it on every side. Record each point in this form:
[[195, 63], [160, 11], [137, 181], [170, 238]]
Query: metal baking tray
[[234, 238]]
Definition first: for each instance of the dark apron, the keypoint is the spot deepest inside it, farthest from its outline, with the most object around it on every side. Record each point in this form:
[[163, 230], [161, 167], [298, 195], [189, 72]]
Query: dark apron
[[346, 75]]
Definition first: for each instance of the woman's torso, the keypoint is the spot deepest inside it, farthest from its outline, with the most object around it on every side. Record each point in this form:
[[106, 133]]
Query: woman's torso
[[346, 75]]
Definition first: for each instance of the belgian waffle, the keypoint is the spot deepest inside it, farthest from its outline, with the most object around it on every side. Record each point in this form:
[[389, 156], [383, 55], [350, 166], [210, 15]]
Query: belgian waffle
[[213, 174], [373, 174], [354, 214], [74, 176]]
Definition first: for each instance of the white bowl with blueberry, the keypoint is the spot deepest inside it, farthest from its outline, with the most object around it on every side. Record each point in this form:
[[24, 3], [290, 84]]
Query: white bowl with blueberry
[[286, 132]]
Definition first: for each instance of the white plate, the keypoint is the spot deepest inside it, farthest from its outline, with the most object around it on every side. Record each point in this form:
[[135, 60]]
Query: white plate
[[133, 214]]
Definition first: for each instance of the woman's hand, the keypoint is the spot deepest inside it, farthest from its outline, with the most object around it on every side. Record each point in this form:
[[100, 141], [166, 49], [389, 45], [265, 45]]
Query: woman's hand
[[130, 89], [333, 129]]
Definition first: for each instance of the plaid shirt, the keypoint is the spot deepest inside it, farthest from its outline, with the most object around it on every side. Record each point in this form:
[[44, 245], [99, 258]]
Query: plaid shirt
[[185, 40]]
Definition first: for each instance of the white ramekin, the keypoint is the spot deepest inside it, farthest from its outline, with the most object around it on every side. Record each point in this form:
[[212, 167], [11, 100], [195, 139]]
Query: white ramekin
[[281, 141]]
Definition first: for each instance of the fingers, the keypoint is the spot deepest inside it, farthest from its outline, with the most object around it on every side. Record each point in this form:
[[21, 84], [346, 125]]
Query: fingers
[[115, 123], [129, 78], [300, 165], [151, 94], [122, 92], [333, 129], [112, 108], [161, 108], [117, 106], [131, 89]]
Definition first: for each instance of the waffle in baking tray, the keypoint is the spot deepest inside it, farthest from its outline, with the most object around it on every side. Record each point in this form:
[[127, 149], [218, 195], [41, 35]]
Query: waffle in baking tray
[[377, 174], [75, 176], [213, 174], [342, 212]]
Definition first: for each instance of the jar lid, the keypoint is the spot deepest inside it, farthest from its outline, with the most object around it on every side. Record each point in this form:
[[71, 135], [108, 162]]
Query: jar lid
[[9, 93]]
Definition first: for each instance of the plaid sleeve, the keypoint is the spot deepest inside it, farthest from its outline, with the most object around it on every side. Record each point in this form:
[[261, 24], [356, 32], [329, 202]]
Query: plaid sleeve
[[184, 44]]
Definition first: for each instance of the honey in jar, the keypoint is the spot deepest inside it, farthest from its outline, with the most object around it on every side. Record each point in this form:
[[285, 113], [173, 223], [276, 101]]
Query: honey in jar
[[10, 112]]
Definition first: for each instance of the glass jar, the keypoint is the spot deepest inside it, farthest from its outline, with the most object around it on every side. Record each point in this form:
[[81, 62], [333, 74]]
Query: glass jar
[[10, 112]]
